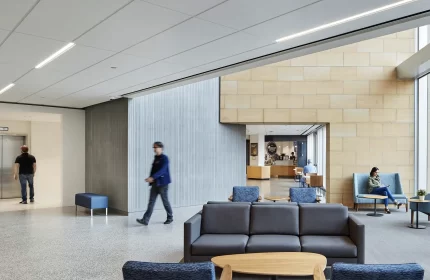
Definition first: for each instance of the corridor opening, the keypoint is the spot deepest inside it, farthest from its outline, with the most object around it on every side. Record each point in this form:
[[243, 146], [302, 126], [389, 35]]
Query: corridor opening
[[41, 132], [283, 156]]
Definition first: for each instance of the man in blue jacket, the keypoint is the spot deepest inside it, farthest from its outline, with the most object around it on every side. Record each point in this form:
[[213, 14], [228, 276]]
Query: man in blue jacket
[[159, 181]]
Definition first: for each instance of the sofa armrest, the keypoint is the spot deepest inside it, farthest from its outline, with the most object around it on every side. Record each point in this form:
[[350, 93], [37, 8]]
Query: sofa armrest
[[191, 233], [356, 232]]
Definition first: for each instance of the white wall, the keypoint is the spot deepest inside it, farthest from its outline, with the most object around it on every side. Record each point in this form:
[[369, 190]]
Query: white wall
[[73, 145], [21, 128], [46, 143]]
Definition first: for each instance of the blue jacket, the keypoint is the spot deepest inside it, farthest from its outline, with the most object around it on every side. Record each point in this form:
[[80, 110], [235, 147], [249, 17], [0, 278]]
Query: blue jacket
[[160, 170]]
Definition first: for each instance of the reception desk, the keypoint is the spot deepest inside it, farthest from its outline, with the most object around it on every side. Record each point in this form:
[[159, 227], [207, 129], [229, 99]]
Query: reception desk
[[282, 171], [258, 172]]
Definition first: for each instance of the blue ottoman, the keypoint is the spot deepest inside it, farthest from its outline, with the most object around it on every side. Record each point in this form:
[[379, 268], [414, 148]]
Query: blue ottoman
[[91, 201]]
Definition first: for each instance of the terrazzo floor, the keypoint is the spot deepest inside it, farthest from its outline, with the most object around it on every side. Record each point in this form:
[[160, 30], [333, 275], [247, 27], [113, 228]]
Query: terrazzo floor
[[55, 244]]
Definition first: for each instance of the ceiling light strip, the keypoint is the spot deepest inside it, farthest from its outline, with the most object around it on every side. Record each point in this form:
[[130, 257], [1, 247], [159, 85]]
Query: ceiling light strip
[[9, 86], [55, 55], [338, 22]]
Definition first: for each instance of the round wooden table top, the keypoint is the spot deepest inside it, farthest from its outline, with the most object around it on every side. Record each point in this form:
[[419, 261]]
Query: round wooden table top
[[374, 196], [275, 264], [417, 200], [276, 198]]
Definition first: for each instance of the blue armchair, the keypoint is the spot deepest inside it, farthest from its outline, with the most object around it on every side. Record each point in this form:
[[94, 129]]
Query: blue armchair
[[391, 179], [133, 270], [410, 271], [245, 194], [424, 208], [303, 195]]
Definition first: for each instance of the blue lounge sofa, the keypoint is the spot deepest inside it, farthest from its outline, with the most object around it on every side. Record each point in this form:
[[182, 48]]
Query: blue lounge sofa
[[409, 271], [392, 179], [133, 270]]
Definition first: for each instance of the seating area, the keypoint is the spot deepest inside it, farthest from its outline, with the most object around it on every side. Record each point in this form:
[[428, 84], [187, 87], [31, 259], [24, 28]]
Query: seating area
[[224, 229], [360, 181]]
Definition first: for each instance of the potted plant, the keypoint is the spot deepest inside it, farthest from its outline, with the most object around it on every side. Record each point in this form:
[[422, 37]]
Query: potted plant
[[421, 194]]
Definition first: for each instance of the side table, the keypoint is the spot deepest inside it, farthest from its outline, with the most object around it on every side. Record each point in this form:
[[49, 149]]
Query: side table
[[375, 197], [276, 198], [417, 201]]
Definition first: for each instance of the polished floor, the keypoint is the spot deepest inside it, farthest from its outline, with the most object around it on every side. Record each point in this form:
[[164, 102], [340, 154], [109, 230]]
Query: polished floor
[[56, 244]]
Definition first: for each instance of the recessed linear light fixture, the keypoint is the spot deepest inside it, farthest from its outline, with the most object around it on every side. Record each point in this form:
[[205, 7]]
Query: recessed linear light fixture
[[55, 55], [338, 22], [9, 86]]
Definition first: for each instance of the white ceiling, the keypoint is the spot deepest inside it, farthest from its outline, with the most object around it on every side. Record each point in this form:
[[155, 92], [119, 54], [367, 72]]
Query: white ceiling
[[154, 41], [279, 129]]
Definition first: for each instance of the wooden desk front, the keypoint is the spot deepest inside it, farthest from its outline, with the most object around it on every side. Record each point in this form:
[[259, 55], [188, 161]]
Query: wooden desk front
[[258, 172]]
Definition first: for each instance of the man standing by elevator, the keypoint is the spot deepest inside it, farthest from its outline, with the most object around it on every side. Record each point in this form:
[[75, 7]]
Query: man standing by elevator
[[159, 181], [25, 166]]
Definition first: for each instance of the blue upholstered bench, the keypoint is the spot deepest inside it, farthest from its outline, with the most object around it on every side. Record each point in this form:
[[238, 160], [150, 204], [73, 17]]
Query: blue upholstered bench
[[91, 201]]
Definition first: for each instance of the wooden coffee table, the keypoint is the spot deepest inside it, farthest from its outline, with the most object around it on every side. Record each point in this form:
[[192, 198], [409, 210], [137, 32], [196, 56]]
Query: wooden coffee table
[[276, 198], [375, 197], [274, 264], [417, 201]]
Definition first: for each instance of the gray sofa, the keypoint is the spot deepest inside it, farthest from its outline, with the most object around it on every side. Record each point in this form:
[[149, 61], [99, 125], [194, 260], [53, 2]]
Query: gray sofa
[[237, 228]]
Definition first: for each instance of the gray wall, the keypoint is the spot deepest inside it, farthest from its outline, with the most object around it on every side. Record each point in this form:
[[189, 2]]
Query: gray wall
[[206, 158], [106, 151]]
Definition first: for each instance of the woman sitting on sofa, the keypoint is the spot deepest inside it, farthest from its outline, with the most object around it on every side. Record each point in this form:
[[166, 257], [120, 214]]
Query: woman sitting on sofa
[[376, 187]]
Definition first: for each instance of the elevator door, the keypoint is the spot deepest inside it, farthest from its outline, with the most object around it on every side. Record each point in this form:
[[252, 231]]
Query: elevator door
[[9, 150]]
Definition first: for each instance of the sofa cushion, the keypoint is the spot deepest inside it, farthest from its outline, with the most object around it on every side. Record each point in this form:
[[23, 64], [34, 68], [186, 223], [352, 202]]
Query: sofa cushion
[[323, 219], [275, 203], [229, 218], [273, 243], [329, 246], [219, 244], [274, 219]]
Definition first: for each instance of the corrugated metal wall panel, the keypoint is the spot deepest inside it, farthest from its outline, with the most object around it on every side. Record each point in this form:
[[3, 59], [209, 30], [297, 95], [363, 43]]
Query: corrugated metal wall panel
[[106, 152], [206, 158]]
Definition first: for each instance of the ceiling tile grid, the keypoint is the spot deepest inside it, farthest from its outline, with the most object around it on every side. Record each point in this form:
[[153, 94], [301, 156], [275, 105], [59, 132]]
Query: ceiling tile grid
[[124, 45]]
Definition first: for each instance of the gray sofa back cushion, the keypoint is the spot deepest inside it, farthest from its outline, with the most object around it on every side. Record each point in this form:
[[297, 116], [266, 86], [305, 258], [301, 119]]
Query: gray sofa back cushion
[[229, 218], [274, 219], [275, 203], [323, 219]]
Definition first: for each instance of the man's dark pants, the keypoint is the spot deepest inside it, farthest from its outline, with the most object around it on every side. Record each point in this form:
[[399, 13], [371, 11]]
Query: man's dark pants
[[155, 191]]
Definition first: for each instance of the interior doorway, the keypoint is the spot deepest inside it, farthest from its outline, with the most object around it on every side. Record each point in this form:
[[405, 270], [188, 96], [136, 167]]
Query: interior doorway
[[9, 145], [278, 154]]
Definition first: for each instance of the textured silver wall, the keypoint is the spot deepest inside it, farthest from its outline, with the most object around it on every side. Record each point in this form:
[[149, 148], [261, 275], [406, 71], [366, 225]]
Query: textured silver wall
[[106, 151], [206, 158]]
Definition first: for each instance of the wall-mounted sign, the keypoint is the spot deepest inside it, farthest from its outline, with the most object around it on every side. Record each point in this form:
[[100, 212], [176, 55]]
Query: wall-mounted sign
[[271, 148], [2, 128]]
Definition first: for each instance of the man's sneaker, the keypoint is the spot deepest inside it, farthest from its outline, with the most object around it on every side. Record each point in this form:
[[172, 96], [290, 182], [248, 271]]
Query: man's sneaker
[[141, 221], [168, 222], [23, 202], [32, 200]]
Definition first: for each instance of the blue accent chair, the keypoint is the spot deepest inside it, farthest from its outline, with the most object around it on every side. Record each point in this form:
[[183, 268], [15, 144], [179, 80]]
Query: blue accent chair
[[133, 270], [303, 195], [424, 208], [410, 271], [391, 179], [91, 201], [245, 194]]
